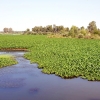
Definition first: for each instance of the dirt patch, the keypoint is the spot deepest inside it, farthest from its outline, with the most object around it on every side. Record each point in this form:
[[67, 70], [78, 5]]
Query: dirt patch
[[14, 49]]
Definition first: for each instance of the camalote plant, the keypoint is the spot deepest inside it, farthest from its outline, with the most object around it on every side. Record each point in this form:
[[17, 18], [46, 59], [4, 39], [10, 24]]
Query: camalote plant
[[64, 57], [7, 60]]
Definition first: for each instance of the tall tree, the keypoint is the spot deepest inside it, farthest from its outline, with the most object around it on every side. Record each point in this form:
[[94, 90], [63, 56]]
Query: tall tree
[[10, 30], [92, 27], [5, 30]]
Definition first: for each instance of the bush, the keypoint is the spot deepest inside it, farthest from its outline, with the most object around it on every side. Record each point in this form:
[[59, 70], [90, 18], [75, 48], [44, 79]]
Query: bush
[[80, 36]]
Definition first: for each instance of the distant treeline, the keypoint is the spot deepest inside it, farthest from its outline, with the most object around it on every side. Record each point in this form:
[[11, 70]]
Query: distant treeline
[[10, 30], [90, 32]]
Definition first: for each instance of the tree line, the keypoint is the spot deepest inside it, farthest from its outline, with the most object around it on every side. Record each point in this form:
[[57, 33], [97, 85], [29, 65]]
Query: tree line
[[74, 31], [7, 30]]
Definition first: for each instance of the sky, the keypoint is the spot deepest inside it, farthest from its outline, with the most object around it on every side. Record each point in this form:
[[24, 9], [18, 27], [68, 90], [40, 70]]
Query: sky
[[23, 14]]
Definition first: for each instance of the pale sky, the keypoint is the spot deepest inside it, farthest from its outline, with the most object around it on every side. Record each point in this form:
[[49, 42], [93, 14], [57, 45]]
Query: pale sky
[[23, 14]]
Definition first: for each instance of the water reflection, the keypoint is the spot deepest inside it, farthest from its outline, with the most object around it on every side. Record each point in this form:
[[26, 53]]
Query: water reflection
[[25, 81]]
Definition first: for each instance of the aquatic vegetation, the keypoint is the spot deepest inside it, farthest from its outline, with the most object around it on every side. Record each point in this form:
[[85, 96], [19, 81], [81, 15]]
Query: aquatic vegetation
[[7, 60], [64, 57]]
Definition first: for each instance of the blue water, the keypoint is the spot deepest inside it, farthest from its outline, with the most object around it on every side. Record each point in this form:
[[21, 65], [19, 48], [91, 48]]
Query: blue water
[[24, 81]]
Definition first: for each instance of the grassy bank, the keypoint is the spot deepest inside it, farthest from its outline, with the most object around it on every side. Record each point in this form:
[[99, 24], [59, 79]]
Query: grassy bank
[[64, 57], [7, 60]]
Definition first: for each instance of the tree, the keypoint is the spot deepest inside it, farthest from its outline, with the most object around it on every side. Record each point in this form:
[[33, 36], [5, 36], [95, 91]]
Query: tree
[[5, 30], [54, 28], [40, 28], [27, 29], [10, 30], [60, 28], [97, 31], [73, 31], [43, 29], [49, 28], [67, 29], [92, 27], [83, 30], [36, 29]]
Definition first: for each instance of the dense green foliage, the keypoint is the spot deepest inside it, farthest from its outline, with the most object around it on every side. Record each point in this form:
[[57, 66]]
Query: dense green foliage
[[64, 57], [7, 60]]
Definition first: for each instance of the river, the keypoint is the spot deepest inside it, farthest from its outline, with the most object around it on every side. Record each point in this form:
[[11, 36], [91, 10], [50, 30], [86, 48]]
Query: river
[[24, 81]]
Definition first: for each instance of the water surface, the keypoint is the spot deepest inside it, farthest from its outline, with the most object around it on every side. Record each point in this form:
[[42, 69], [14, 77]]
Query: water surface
[[24, 81]]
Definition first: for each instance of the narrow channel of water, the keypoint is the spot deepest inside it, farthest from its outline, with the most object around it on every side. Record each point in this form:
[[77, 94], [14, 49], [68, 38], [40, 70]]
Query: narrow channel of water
[[25, 81]]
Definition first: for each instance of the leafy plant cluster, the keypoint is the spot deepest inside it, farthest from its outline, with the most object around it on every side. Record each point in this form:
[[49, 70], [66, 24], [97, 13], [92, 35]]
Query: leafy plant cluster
[[7, 60], [67, 58]]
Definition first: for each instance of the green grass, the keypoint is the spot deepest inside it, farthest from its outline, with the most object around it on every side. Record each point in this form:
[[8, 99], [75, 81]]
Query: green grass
[[7, 60], [64, 57]]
